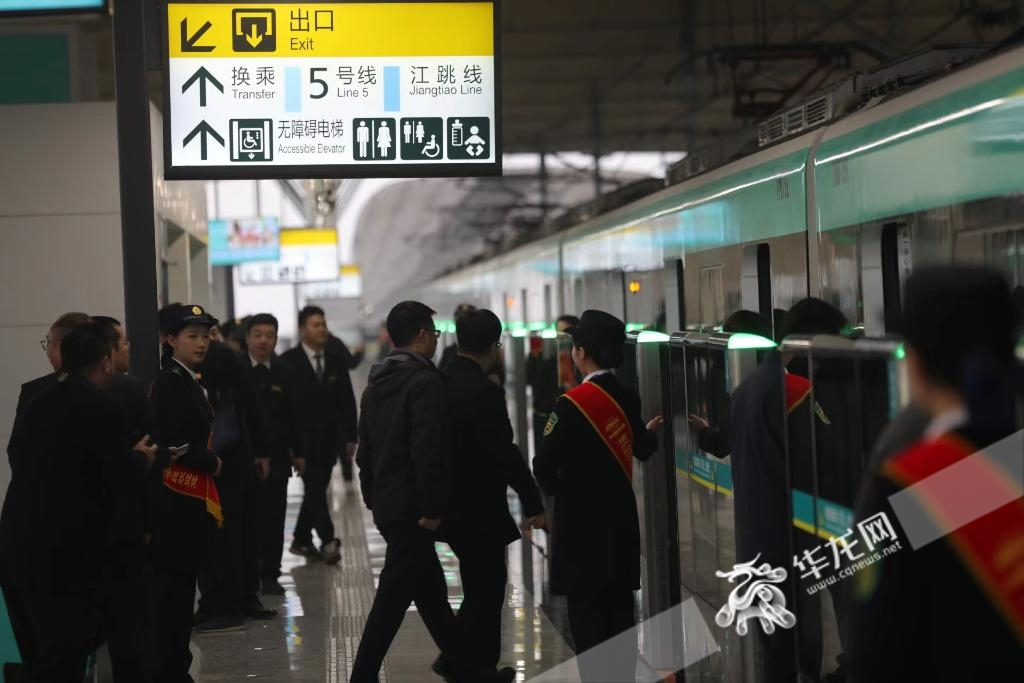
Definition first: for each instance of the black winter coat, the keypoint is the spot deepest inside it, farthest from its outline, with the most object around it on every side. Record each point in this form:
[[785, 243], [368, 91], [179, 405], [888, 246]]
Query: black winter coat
[[404, 456], [129, 394], [29, 390], [596, 534], [486, 460], [182, 529], [71, 463]]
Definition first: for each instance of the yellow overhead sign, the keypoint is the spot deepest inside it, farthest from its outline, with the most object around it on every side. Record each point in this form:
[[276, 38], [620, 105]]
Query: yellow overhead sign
[[305, 29]]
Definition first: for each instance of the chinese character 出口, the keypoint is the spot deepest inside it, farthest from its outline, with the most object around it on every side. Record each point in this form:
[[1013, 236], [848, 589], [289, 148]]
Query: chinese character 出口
[[300, 20], [323, 20]]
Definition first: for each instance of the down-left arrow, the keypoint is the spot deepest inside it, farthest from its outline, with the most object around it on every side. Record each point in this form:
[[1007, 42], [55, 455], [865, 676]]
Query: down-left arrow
[[203, 130], [203, 76]]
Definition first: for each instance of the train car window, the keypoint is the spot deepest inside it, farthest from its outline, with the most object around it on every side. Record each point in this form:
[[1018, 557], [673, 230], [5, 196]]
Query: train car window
[[896, 264], [712, 297], [675, 299], [999, 249]]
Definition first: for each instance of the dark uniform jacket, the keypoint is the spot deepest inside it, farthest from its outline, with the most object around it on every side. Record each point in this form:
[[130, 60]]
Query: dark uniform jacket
[[182, 529], [404, 456], [596, 534], [280, 436], [486, 460], [757, 441], [327, 407], [231, 391], [129, 394], [29, 390], [72, 462], [920, 615]]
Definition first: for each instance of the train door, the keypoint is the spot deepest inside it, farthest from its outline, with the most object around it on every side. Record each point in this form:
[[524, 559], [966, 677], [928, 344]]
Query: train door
[[603, 290], [886, 261], [711, 298], [673, 283], [856, 387], [756, 280], [645, 303]]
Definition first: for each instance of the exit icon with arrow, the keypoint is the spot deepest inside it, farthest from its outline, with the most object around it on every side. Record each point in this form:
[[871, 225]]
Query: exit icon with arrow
[[204, 77], [253, 30], [203, 130]]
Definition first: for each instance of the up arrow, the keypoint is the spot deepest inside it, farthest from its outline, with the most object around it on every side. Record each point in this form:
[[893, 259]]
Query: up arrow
[[204, 77], [254, 38], [203, 130], [188, 44]]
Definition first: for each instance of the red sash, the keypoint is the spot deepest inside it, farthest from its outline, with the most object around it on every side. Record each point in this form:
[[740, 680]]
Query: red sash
[[797, 390], [992, 546], [189, 482], [608, 419]]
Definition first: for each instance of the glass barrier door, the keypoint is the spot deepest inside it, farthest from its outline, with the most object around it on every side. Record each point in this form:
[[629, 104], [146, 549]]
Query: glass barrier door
[[854, 390]]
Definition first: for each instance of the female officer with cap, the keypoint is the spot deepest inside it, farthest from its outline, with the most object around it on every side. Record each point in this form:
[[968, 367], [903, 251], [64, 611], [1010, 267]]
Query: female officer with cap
[[185, 507], [586, 463]]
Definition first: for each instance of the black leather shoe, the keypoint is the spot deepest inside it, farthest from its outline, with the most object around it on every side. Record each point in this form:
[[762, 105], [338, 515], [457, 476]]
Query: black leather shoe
[[271, 587], [440, 667], [256, 610], [304, 549]]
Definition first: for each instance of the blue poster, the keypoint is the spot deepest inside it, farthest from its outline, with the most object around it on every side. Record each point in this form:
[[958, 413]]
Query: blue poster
[[242, 240]]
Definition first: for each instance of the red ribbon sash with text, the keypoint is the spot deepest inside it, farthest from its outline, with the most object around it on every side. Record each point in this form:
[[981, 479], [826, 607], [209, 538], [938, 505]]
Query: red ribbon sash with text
[[608, 419], [189, 482]]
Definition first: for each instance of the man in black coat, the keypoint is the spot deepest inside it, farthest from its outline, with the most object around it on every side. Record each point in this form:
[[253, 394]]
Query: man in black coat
[[29, 390], [281, 442], [405, 472], [486, 463], [327, 405], [758, 411], [595, 556], [59, 505], [125, 590]]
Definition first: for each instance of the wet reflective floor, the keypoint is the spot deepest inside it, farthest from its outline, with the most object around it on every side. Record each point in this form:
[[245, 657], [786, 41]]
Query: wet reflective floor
[[321, 616]]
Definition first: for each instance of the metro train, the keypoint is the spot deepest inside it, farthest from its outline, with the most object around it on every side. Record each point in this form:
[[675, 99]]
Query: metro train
[[843, 211]]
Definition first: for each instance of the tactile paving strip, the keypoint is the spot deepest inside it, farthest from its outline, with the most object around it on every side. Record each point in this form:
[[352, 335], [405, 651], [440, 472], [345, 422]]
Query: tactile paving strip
[[350, 589]]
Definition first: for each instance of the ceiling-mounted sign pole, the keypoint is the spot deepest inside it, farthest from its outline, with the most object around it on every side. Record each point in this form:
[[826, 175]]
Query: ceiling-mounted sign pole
[[296, 89], [135, 169]]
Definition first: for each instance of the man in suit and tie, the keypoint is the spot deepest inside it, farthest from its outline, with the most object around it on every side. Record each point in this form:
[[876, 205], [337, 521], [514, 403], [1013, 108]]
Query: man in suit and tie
[[327, 411]]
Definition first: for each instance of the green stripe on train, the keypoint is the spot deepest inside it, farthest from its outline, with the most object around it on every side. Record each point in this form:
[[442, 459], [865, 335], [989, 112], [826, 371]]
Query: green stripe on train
[[964, 146]]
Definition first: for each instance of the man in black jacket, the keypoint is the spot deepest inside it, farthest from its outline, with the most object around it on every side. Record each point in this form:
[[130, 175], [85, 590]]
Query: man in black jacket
[[405, 472], [586, 463], [281, 442], [72, 464], [33, 388], [486, 463], [327, 406]]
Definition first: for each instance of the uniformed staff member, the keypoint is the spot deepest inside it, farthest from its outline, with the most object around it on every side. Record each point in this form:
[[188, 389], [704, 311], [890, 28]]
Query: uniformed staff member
[[951, 610], [586, 463], [184, 500], [70, 467], [283, 442]]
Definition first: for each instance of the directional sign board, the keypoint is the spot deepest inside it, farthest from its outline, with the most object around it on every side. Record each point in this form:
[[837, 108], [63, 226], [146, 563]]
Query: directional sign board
[[319, 89]]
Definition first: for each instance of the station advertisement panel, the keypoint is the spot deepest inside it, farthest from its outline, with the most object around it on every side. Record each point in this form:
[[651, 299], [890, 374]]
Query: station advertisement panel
[[320, 89], [50, 6], [238, 241], [307, 255]]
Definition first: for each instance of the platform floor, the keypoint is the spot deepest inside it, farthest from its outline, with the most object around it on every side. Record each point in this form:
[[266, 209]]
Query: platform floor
[[317, 632]]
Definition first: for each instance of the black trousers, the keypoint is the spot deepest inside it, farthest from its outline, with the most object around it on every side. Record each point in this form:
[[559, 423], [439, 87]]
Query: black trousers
[[273, 504], [59, 629], [412, 573], [174, 592], [314, 513], [596, 618], [126, 617], [484, 577], [232, 578]]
